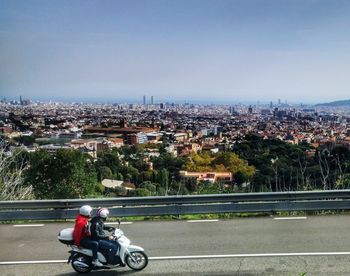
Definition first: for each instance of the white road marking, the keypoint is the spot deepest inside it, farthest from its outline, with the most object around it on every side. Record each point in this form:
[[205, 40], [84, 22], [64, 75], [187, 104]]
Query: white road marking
[[123, 223], [250, 255], [290, 218], [201, 257], [28, 225], [204, 220], [33, 262]]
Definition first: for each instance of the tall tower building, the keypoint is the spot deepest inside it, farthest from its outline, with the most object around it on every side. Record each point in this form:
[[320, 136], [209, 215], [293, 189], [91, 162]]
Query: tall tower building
[[144, 100], [232, 110], [152, 100], [250, 110]]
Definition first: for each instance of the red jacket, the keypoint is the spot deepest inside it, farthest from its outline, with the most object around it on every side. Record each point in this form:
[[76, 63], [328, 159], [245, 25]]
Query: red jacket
[[81, 229]]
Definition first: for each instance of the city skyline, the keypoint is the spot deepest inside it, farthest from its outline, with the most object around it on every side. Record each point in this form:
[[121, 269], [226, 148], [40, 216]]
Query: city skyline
[[148, 101], [194, 51]]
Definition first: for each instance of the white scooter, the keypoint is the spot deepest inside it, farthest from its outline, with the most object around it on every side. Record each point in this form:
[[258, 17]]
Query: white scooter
[[81, 258]]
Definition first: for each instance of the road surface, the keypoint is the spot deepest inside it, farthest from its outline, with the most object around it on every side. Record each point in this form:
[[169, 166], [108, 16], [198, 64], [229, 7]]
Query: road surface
[[317, 245]]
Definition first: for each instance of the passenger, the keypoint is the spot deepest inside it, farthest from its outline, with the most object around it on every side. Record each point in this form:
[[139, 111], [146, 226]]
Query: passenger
[[104, 239], [81, 234]]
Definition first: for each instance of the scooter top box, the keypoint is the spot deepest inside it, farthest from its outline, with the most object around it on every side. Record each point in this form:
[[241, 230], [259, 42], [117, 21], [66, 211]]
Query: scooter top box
[[65, 236]]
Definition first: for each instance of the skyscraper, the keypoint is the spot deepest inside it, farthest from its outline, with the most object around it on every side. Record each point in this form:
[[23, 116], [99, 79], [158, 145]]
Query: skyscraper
[[152, 100], [144, 100], [232, 110], [250, 109]]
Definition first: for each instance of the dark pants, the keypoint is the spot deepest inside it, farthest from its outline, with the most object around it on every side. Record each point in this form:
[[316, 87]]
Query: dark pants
[[93, 245], [111, 247]]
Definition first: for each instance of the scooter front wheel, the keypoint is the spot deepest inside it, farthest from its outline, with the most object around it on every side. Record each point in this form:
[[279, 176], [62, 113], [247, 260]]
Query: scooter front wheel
[[137, 260]]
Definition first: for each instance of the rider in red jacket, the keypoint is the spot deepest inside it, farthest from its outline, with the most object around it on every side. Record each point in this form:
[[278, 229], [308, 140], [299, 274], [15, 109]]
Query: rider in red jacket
[[81, 229], [81, 233]]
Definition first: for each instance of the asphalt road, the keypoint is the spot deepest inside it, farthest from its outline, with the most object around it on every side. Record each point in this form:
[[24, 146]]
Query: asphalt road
[[249, 246]]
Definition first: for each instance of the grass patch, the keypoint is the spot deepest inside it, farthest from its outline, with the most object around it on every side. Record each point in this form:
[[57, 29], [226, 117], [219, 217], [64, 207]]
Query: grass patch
[[221, 216]]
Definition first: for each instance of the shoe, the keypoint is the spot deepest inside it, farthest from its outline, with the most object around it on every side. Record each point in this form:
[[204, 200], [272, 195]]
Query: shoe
[[96, 263]]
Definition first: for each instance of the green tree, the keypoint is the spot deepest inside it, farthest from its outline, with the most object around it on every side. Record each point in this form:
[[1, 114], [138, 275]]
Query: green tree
[[164, 180], [169, 162], [234, 163], [240, 178], [104, 173], [152, 187], [66, 174], [178, 188], [199, 162], [121, 191], [280, 166], [220, 162], [108, 158], [142, 192], [190, 184], [119, 176]]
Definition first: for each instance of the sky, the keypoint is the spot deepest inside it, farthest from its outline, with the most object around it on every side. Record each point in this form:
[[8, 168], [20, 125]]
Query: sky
[[183, 50]]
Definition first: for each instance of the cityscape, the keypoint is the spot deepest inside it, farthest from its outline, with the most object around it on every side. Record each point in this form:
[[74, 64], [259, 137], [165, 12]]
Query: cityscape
[[192, 127], [209, 126], [187, 137], [186, 132]]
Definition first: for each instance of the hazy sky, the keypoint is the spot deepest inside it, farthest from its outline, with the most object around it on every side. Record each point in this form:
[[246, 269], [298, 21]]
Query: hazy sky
[[228, 51]]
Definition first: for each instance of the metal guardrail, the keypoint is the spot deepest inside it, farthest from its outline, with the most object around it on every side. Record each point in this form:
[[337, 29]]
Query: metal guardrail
[[179, 205]]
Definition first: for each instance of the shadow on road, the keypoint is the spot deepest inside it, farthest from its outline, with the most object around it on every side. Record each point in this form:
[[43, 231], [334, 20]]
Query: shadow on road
[[101, 273], [115, 272]]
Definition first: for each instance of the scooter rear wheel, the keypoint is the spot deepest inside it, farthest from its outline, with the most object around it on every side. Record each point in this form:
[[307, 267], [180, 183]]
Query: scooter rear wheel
[[141, 260], [79, 267]]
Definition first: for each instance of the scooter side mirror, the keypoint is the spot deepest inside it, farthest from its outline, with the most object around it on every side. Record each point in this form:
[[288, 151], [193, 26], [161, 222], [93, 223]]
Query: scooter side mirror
[[119, 221]]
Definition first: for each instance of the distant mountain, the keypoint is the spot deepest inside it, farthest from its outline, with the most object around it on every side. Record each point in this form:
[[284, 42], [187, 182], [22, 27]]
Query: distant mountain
[[336, 103]]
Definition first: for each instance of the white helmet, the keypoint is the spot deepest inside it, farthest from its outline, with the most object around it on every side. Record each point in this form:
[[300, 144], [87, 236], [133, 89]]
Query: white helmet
[[85, 210], [103, 213]]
